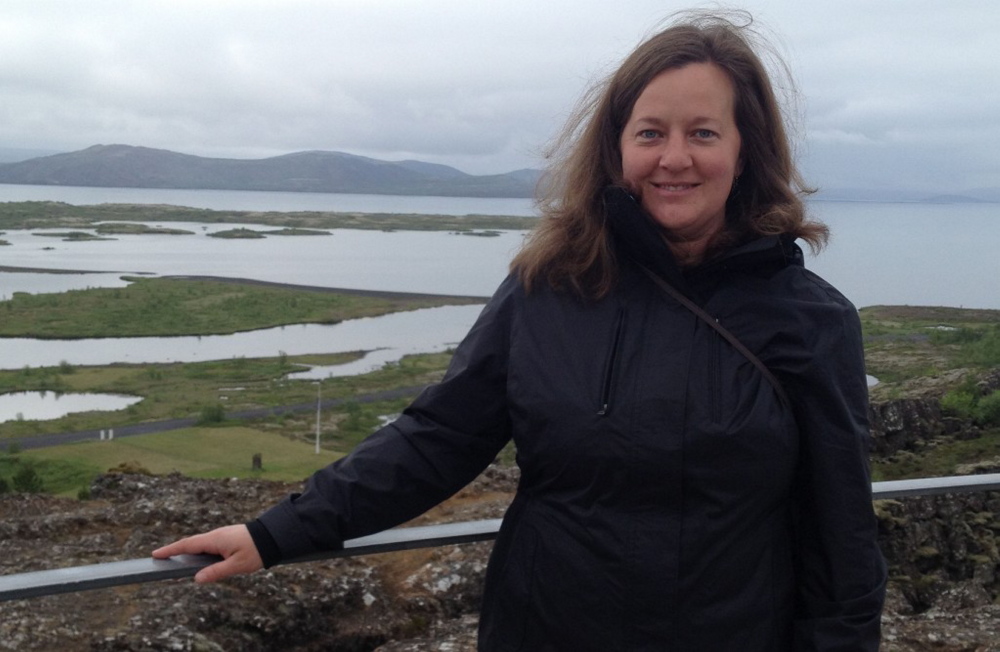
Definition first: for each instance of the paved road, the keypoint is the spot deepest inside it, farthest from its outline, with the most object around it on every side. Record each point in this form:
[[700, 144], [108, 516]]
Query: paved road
[[57, 439]]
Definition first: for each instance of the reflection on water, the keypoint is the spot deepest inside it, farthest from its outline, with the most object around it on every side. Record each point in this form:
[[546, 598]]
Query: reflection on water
[[41, 406]]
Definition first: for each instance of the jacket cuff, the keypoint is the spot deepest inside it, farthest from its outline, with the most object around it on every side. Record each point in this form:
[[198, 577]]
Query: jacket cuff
[[267, 547], [290, 536]]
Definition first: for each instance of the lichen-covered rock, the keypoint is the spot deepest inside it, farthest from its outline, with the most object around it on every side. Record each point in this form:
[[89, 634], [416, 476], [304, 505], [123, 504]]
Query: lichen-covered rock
[[904, 423], [941, 548]]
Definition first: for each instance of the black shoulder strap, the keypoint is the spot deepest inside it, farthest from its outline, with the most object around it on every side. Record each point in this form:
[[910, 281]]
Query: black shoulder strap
[[708, 319]]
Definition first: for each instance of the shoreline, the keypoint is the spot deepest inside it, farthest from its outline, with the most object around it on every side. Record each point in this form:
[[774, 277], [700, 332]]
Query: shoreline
[[374, 294], [8, 269]]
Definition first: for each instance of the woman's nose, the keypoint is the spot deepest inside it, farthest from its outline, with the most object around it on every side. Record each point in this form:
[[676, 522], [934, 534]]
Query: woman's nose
[[675, 154]]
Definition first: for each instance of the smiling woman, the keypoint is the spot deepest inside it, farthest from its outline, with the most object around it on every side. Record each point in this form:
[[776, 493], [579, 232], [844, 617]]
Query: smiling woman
[[681, 155], [679, 489]]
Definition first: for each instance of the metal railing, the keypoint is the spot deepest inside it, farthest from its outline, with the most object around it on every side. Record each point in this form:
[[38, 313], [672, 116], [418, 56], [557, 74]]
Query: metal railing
[[99, 576]]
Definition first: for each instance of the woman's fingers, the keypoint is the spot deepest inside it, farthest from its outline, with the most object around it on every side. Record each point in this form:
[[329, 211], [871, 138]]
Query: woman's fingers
[[233, 543]]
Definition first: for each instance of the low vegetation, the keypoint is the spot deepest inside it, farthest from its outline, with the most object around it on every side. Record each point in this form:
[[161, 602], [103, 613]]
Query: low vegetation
[[72, 236], [939, 354], [241, 233], [153, 307], [193, 390], [293, 231], [133, 228], [918, 351], [214, 393], [197, 452], [48, 214]]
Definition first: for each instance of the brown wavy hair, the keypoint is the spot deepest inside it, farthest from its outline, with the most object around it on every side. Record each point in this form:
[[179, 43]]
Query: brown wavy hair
[[571, 246]]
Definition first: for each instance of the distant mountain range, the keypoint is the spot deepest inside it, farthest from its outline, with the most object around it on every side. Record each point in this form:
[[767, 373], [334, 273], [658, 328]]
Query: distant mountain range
[[126, 166]]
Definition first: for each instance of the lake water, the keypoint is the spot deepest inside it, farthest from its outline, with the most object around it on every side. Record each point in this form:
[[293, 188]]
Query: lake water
[[388, 338], [406, 261], [916, 254], [912, 254], [41, 406]]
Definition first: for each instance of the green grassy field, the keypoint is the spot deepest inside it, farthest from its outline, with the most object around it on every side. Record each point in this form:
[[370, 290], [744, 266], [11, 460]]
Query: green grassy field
[[286, 442], [218, 452], [912, 347]]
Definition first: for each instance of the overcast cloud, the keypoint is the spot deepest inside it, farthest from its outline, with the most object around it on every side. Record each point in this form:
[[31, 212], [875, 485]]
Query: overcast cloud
[[901, 94]]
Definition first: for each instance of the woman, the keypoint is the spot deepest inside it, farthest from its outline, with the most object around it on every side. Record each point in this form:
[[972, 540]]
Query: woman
[[676, 492]]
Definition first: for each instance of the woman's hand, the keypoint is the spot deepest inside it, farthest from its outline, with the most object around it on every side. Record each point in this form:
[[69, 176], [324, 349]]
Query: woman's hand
[[233, 543]]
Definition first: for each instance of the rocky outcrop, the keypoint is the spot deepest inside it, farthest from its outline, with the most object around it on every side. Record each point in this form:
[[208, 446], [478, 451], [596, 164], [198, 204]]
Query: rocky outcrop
[[903, 424], [945, 572], [426, 597], [933, 543], [942, 551], [908, 424], [911, 425]]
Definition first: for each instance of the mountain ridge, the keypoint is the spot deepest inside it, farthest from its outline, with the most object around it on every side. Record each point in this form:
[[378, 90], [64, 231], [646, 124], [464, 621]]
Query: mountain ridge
[[129, 166]]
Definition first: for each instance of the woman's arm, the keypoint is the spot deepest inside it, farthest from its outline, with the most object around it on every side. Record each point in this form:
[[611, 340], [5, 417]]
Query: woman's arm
[[442, 441], [840, 571]]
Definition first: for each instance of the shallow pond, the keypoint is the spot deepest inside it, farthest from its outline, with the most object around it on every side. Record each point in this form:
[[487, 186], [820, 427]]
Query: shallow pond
[[41, 406]]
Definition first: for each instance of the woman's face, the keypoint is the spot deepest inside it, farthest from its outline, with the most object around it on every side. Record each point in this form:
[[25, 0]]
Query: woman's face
[[681, 151]]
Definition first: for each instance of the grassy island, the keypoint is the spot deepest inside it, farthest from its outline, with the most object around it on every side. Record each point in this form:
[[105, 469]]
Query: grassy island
[[131, 228], [151, 307], [238, 234], [49, 214], [72, 236]]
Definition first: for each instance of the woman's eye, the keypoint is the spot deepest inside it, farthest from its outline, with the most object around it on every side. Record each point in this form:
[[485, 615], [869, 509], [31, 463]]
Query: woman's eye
[[648, 134], [704, 133]]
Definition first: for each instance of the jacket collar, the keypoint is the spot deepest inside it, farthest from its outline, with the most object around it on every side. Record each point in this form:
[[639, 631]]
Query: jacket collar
[[638, 238]]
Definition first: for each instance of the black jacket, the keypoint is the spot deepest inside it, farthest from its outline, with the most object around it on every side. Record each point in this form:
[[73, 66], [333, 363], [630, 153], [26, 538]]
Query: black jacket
[[668, 500]]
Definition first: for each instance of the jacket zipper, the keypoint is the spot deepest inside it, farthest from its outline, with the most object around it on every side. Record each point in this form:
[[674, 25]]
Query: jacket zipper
[[715, 379], [611, 364]]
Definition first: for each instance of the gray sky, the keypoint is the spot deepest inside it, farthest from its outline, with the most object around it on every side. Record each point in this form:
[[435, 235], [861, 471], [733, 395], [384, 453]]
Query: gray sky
[[901, 94]]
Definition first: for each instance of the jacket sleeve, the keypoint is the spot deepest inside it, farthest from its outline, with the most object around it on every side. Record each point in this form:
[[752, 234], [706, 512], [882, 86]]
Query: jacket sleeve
[[440, 443], [840, 572]]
